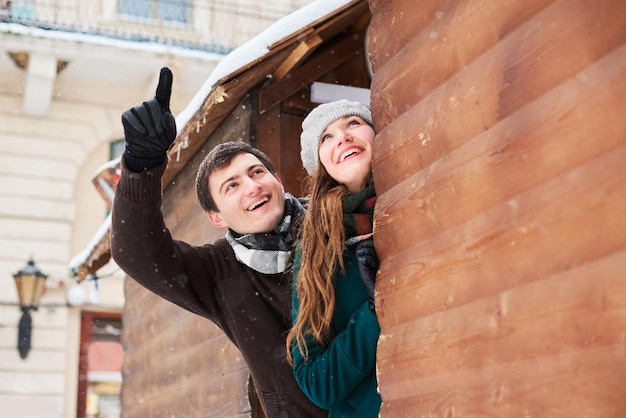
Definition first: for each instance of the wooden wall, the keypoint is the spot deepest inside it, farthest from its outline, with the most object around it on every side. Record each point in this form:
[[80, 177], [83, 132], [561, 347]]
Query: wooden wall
[[500, 165]]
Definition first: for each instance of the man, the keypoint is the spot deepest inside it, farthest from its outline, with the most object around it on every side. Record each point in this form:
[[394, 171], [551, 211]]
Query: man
[[241, 282]]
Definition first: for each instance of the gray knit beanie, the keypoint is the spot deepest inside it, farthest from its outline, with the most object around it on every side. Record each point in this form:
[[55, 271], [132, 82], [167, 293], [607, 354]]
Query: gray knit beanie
[[318, 120]]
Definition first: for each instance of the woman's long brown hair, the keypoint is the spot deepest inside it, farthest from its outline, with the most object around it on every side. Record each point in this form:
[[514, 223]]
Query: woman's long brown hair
[[323, 239]]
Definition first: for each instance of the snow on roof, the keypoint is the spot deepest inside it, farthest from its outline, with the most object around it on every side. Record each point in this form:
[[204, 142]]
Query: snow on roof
[[258, 47], [81, 257]]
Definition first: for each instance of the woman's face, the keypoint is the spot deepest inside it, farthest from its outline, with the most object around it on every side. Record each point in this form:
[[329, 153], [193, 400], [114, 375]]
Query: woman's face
[[346, 151]]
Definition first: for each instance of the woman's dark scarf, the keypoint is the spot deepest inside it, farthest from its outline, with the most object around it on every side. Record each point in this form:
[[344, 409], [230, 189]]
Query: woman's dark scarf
[[358, 215], [268, 253]]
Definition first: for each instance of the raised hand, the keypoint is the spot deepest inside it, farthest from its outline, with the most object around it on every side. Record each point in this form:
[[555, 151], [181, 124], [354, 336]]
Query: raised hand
[[150, 128]]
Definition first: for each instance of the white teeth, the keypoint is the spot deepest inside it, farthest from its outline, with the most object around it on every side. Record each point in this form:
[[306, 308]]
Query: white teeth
[[348, 153], [257, 204]]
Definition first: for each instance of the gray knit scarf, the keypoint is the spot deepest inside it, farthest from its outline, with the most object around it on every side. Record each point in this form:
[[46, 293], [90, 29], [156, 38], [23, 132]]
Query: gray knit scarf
[[268, 253]]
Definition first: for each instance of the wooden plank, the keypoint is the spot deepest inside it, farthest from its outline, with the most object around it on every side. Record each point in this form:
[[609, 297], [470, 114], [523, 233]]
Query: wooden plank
[[577, 310], [543, 140], [215, 346], [184, 366], [278, 135], [303, 50], [570, 220], [396, 23], [590, 386], [565, 38], [188, 398], [465, 106], [167, 320], [175, 338], [555, 346], [292, 173], [268, 134], [445, 47]]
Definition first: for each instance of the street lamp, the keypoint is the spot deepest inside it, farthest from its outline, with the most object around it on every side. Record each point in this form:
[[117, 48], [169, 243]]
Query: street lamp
[[30, 284]]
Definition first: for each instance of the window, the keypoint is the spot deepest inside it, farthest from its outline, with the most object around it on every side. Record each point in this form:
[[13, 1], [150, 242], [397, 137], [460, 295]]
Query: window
[[168, 10], [20, 9], [117, 148], [100, 365]]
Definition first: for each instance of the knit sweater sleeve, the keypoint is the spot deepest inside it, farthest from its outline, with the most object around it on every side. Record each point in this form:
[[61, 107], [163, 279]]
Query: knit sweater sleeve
[[331, 374], [142, 246]]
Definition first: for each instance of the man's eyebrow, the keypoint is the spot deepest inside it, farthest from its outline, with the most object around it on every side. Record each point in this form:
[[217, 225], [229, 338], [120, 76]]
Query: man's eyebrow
[[253, 166], [233, 177], [228, 180]]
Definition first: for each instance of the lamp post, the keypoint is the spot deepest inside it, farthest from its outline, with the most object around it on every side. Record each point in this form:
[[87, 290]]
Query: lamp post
[[30, 284]]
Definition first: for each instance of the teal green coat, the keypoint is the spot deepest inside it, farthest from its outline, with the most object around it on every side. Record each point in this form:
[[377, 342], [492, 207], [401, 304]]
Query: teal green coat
[[342, 376]]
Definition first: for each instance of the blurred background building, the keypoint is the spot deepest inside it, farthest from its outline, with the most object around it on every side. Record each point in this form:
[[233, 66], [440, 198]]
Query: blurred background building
[[69, 69]]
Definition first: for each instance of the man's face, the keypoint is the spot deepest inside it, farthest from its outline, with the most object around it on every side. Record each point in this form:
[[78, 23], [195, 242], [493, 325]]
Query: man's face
[[248, 197]]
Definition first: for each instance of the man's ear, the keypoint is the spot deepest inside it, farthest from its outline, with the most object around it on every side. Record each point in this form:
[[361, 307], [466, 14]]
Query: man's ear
[[216, 219]]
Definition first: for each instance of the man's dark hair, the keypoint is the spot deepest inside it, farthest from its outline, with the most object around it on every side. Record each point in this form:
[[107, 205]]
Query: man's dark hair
[[218, 158]]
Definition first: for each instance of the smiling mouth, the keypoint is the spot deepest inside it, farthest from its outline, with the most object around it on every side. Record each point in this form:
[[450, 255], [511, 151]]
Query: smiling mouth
[[348, 153], [258, 204]]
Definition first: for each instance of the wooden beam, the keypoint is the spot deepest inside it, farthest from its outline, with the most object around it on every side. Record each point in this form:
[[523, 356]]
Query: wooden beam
[[330, 57], [303, 50]]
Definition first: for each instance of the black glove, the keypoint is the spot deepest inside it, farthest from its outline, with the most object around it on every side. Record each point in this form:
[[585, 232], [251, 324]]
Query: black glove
[[368, 266], [150, 128]]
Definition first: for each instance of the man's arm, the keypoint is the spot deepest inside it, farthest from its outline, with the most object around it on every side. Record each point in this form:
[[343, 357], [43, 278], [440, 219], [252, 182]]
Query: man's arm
[[140, 242]]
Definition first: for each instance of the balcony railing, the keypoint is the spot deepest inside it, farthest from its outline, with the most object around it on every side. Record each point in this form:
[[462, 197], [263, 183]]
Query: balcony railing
[[169, 22]]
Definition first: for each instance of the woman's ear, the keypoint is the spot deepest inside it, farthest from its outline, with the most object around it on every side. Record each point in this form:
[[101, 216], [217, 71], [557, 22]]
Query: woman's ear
[[216, 219]]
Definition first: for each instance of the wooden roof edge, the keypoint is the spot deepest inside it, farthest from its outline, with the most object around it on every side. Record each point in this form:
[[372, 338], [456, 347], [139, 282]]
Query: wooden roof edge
[[96, 254]]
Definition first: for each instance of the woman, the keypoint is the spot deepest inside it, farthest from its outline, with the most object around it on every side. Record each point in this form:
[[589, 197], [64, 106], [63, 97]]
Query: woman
[[332, 344]]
